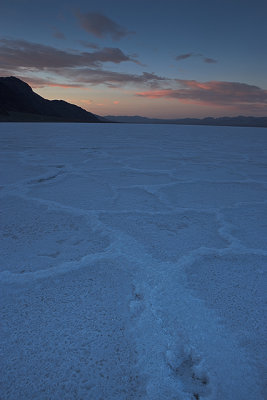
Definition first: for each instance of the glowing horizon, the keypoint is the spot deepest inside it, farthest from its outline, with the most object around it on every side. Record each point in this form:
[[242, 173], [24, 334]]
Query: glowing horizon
[[172, 60]]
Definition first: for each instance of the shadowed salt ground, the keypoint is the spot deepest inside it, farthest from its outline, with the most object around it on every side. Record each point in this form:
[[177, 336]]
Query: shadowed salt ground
[[133, 262]]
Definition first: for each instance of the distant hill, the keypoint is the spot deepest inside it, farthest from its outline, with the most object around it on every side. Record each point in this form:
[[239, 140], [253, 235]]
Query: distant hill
[[18, 103], [222, 121]]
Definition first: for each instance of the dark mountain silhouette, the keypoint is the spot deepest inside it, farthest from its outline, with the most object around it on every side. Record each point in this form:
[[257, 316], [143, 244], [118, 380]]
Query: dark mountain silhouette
[[18, 102], [222, 121]]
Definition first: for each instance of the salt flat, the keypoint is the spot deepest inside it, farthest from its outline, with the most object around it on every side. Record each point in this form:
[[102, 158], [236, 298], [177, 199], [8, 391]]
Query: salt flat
[[133, 262]]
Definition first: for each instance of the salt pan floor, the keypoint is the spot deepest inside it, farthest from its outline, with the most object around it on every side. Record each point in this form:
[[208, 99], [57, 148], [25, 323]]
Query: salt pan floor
[[133, 262]]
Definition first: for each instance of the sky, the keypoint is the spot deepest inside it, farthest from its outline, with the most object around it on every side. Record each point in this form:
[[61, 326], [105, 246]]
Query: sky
[[154, 58]]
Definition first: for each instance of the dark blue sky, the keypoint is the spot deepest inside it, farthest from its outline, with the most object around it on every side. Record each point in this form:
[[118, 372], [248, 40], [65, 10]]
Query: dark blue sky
[[154, 58]]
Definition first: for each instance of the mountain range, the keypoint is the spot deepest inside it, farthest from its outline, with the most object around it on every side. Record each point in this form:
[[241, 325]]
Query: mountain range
[[19, 103], [221, 121]]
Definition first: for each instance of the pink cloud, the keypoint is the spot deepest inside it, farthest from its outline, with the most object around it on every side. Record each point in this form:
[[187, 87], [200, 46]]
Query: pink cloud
[[213, 93]]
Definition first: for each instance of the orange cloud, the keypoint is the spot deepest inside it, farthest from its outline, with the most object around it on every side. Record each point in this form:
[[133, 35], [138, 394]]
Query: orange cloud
[[155, 94]]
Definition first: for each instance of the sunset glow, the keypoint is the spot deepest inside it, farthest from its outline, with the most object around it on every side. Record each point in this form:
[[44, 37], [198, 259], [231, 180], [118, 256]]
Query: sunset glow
[[175, 59]]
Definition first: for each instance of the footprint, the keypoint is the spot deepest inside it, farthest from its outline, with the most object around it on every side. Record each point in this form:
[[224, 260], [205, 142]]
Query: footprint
[[137, 303], [188, 368]]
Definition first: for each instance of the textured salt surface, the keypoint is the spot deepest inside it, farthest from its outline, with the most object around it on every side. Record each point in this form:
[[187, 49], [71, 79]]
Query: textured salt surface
[[133, 262]]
